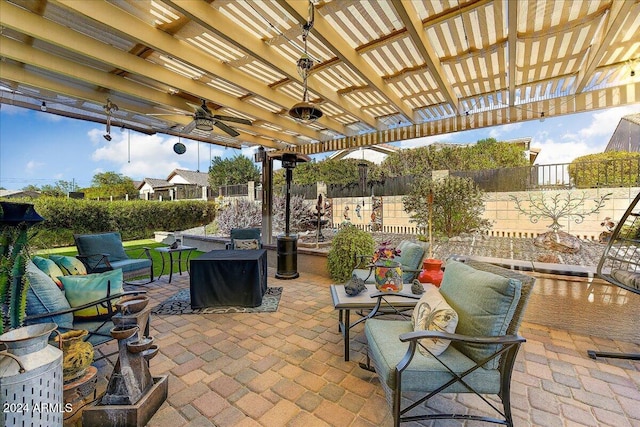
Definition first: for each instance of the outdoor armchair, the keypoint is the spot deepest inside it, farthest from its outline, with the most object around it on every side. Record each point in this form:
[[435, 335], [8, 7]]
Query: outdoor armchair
[[245, 238], [478, 357], [104, 251]]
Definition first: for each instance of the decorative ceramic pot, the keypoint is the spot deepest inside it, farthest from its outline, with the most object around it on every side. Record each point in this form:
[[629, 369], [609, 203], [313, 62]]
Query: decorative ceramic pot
[[431, 271], [388, 275], [77, 354]]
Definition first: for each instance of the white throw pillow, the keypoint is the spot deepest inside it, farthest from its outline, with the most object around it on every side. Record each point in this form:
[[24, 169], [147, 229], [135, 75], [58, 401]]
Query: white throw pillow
[[432, 313]]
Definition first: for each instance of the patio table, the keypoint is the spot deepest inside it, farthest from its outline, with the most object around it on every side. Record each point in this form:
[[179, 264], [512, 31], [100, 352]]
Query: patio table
[[378, 302], [170, 251]]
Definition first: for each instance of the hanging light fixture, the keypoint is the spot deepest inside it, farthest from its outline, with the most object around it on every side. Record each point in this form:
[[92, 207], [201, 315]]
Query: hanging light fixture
[[203, 123], [305, 111]]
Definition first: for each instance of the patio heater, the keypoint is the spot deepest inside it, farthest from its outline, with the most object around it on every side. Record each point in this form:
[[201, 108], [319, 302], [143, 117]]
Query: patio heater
[[287, 244]]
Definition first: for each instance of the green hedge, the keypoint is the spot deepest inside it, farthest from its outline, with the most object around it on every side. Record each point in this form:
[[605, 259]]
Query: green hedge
[[136, 219]]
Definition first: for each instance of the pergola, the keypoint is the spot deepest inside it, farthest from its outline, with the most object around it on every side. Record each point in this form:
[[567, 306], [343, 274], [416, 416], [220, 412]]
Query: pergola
[[383, 70]]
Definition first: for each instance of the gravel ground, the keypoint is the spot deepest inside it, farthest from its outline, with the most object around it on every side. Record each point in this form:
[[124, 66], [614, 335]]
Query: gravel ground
[[498, 247]]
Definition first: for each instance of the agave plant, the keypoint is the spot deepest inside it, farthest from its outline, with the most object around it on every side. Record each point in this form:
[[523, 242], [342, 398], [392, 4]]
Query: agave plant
[[15, 219]]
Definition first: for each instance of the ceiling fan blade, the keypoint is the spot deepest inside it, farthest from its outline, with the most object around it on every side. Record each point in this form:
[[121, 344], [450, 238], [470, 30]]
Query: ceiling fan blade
[[188, 128], [232, 119], [231, 131]]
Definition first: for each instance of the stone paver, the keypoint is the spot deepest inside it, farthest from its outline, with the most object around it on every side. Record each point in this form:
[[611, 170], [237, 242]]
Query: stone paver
[[287, 369]]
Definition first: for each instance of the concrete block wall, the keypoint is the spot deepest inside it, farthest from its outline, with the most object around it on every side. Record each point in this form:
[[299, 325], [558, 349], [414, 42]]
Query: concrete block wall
[[500, 210]]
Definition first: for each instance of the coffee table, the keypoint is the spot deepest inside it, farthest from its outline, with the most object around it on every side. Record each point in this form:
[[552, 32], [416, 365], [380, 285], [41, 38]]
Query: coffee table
[[378, 302], [171, 251]]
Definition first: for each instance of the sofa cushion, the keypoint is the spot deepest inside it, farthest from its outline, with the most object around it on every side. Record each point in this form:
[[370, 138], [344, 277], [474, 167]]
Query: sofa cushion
[[432, 313], [387, 351], [485, 303], [50, 268], [81, 290], [44, 296], [93, 245], [69, 265]]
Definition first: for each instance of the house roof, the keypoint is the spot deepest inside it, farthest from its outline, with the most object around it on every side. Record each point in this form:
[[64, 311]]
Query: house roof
[[192, 177], [155, 183], [384, 70]]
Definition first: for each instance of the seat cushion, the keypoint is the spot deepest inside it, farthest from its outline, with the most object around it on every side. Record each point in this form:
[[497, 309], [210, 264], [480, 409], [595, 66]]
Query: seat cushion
[[81, 290], [127, 265], [432, 313], [485, 303], [69, 265], [92, 245], [50, 268], [424, 373], [44, 296], [410, 256]]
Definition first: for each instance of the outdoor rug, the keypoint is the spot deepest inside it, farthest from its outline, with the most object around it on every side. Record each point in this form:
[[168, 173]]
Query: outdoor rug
[[180, 303]]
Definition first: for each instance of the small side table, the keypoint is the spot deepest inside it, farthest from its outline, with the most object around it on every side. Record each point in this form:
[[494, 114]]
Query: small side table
[[179, 250]]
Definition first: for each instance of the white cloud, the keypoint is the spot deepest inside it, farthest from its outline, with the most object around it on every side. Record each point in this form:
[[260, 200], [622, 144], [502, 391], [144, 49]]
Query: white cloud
[[605, 122], [140, 156], [553, 152], [33, 167], [497, 131]]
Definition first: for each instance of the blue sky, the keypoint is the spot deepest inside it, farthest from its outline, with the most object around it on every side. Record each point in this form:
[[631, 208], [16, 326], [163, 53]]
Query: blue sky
[[39, 148]]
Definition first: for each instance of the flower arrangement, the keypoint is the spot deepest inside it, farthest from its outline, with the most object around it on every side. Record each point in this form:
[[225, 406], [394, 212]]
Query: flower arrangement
[[385, 252]]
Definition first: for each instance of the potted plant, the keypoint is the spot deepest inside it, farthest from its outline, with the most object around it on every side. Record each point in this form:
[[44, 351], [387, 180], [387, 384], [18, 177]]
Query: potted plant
[[387, 271], [15, 220]]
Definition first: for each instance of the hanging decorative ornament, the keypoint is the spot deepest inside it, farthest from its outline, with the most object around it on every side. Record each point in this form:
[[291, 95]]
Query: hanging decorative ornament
[[179, 148], [305, 111]]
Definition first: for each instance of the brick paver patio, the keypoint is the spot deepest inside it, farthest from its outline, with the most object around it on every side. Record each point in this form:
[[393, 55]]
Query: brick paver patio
[[287, 369]]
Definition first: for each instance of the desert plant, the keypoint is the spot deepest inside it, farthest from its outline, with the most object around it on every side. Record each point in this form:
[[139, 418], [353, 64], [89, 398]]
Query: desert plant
[[347, 244], [15, 218]]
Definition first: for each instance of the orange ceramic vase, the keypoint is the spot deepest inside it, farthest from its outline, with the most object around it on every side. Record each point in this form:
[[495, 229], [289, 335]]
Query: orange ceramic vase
[[431, 271]]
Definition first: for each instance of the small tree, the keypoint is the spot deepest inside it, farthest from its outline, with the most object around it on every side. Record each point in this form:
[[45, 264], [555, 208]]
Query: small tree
[[457, 205], [237, 170]]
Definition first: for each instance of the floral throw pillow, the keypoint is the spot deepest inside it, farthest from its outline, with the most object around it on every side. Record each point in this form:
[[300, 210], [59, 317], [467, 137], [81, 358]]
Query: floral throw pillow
[[432, 313]]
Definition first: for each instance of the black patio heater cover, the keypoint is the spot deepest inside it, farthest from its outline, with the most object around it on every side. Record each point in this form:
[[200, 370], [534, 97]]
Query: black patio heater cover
[[287, 244]]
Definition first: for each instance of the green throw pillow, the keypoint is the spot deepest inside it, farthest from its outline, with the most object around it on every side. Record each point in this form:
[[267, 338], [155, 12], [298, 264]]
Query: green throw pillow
[[50, 268], [69, 265], [44, 296], [485, 303], [81, 290]]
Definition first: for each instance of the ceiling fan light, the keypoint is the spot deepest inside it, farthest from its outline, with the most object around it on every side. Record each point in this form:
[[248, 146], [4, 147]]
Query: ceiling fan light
[[204, 124], [305, 112]]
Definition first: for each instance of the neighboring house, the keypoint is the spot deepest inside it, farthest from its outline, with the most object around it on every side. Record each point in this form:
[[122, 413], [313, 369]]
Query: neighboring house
[[181, 184], [627, 135], [12, 194]]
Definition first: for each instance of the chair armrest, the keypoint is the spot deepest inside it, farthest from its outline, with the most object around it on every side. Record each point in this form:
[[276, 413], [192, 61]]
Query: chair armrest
[[83, 306], [503, 339], [104, 259], [145, 252]]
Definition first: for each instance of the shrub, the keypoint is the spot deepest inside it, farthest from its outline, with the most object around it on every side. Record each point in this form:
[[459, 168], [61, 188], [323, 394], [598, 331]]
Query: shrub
[[240, 213], [457, 205], [346, 245], [608, 169]]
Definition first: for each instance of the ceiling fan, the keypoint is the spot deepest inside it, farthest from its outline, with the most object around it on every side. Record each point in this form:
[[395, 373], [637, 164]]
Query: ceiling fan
[[204, 120]]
